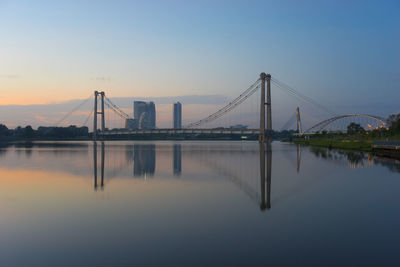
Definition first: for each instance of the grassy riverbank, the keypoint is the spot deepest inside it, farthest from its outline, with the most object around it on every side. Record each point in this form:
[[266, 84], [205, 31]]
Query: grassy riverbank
[[359, 145]]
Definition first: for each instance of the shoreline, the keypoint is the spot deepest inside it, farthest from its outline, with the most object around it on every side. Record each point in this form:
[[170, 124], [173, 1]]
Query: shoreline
[[354, 145], [350, 145]]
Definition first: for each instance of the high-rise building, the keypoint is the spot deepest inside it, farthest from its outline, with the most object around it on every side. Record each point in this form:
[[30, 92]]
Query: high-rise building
[[177, 115], [138, 108], [145, 114], [131, 124]]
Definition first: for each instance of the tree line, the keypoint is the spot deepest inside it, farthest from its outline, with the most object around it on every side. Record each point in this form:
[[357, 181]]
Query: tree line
[[42, 132], [393, 128], [74, 132]]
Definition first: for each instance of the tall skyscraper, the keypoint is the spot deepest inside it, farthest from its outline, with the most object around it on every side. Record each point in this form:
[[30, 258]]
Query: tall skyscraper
[[145, 114], [177, 115]]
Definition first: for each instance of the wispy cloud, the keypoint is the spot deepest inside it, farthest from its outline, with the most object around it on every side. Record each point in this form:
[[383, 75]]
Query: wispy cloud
[[102, 79], [43, 119]]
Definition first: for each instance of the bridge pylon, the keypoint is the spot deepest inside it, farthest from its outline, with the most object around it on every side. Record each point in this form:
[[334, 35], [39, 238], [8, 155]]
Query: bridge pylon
[[265, 78], [298, 121], [96, 112]]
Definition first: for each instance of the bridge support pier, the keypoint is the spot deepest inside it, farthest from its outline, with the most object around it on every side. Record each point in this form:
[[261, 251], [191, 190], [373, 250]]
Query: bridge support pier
[[262, 138], [96, 112]]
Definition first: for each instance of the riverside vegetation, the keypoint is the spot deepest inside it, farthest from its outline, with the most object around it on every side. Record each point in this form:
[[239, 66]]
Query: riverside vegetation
[[356, 137]]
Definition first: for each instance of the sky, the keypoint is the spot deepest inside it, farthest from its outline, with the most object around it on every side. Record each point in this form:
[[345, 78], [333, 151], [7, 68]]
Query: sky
[[343, 54]]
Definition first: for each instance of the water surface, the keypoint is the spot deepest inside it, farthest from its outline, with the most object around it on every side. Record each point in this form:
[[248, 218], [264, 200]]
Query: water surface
[[196, 204]]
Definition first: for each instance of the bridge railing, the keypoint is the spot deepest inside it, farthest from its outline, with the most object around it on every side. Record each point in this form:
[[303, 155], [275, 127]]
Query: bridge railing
[[181, 131]]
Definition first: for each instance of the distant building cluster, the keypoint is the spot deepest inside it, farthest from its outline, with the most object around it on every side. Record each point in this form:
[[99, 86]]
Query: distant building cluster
[[144, 116], [239, 126]]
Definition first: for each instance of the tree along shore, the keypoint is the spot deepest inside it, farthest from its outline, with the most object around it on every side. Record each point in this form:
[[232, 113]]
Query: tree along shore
[[356, 137]]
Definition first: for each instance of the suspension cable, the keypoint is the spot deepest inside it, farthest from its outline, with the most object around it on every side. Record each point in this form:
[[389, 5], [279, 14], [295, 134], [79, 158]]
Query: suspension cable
[[289, 123], [224, 110], [300, 96], [117, 109], [88, 117], [234, 103], [73, 110]]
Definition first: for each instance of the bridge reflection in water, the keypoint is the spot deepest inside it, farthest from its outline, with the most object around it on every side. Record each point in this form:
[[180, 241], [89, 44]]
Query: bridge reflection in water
[[143, 157], [101, 164], [236, 164], [230, 164], [265, 154]]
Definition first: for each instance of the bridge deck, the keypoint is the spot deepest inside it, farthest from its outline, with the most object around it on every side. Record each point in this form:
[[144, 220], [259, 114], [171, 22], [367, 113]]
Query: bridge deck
[[182, 131]]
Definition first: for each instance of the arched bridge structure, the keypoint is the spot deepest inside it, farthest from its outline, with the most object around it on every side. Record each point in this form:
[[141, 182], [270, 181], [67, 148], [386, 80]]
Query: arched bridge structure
[[378, 121]]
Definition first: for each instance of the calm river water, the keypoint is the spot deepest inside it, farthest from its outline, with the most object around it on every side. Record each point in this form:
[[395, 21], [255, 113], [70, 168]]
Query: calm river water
[[196, 204]]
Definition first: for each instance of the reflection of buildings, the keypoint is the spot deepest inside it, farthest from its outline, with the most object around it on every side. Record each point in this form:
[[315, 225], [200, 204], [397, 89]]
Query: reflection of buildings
[[252, 176], [177, 115], [144, 159], [177, 161]]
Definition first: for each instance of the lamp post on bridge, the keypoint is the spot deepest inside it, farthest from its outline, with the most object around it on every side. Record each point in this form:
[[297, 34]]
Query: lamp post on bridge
[[265, 77], [96, 112]]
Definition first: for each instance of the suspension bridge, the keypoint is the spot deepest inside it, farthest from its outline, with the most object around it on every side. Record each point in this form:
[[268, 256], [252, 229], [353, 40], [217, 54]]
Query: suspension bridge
[[260, 121]]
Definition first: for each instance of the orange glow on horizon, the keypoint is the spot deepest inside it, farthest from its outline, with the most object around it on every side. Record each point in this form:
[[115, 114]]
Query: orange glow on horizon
[[26, 101]]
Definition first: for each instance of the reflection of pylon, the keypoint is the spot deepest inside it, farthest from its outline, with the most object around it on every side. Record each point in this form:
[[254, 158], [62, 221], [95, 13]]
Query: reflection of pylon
[[95, 165], [103, 124], [298, 158], [265, 175]]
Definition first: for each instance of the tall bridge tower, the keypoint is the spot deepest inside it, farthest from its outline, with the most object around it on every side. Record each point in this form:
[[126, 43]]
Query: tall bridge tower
[[265, 78], [298, 121], [96, 112]]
